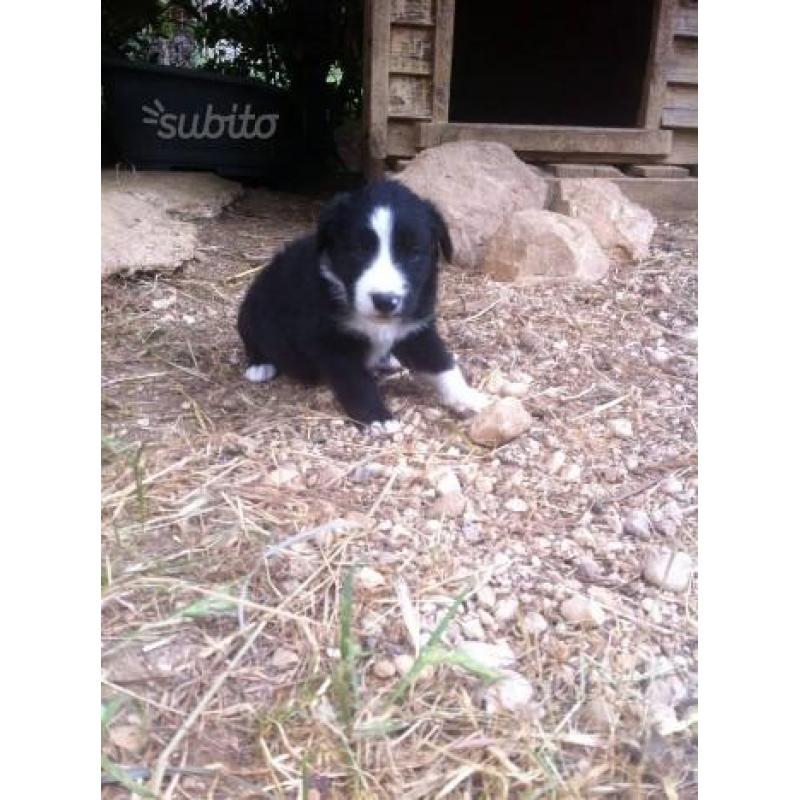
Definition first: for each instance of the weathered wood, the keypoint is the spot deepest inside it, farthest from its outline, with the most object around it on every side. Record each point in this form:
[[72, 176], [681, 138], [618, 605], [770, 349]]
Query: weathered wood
[[684, 148], [376, 64], [680, 107], [419, 12], [410, 97], [686, 21], [411, 50], [682, 67], [584, 170], [551, 139], [443, 59], [655, 78], [402, 138], [656, 171]]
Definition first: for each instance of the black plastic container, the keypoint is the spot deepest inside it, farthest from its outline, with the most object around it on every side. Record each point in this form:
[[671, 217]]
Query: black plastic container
[[171, 118]]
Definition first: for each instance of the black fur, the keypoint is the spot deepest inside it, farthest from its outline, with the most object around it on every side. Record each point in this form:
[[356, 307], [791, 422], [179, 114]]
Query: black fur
[[296, 319]]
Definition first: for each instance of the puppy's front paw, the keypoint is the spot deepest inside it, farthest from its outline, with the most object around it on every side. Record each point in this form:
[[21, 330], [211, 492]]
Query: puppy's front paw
[[387, 427], [468, 401]]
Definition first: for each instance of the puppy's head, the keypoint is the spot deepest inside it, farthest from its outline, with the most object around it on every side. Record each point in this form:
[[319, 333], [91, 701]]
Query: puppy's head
[[379, 249]]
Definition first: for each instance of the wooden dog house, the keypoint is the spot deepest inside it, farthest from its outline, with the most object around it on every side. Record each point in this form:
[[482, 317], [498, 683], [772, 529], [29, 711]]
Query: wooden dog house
[[574, 81]]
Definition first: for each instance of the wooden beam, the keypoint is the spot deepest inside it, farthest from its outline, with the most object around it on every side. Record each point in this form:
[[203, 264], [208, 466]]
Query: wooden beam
[[443, 59], [376, 83], [655, 78], [552, 139]]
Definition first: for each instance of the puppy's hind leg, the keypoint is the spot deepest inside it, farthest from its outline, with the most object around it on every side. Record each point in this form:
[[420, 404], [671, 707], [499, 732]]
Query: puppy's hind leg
[[260, 373]]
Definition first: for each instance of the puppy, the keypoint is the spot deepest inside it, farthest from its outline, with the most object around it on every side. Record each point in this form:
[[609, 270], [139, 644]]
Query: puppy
[[336, 306]]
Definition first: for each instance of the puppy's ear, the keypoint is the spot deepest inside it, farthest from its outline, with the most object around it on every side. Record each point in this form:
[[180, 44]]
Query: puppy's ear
[[329, 220], [441, 232]]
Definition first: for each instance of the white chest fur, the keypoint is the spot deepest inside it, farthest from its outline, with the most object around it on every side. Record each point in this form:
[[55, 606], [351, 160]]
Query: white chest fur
[[382, 335]]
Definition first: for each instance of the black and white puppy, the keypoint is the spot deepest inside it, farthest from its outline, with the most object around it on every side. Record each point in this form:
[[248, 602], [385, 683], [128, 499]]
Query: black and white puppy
[[337, 305]]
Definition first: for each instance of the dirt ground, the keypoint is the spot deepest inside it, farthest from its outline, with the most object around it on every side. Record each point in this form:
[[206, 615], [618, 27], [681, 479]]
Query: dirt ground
[[228, 670]]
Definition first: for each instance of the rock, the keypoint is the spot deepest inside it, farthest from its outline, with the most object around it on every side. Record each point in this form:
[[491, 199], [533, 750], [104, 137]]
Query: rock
[[131, 738], [514, 389], [144, 217], [664, 692], [621, 227], [476, 186], [403, 663], [493, 656], [572, 474], [283, 658], [283, 476], [486, 597], [556, 462], [369, 579], [516, 505], [447, 483], [666, 527], [507, 609], [581, 610], [637, 524], [533, 245], [534, 623], [500, 422], [511, 693], [448, 505], [672, 486], [472, 629], [384, 668], [669, 569], [621, 427]]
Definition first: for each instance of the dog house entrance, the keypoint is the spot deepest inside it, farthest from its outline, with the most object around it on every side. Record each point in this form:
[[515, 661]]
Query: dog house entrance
[[531, 62]]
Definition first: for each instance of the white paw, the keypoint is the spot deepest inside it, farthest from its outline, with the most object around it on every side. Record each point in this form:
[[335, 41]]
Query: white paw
[[388, 364], [260, 373], [386, 428], [468, 401]]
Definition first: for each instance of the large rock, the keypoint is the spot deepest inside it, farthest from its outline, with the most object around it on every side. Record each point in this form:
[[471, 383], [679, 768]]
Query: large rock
[[622, 228], [145, 217], [534, 245], [476, 186]]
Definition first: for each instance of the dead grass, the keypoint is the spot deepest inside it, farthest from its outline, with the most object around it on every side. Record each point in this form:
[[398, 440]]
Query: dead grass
[[240, 646]]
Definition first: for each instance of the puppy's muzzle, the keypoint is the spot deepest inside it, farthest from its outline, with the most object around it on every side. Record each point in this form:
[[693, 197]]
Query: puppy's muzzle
[[386, 304]]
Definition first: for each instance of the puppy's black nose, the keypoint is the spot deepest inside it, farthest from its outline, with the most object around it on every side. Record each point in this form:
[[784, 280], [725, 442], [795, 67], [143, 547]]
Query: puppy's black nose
[[386, 303]]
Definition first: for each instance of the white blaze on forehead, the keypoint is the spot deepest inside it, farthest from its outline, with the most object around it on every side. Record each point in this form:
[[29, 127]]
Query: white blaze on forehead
[[382, 275]]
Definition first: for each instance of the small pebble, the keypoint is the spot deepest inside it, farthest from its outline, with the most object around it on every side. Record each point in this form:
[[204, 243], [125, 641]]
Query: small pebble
[[369, 579], [669, 569], [507, 609], [500, 422], [637, 524], [516, 505], [572, 474], [581, 610], [511, 693], [472, 629], [493, 656], [556, 462], [283, 658], [534, 623], [621, 427], [384, 668], [448, 505], [486, 597]]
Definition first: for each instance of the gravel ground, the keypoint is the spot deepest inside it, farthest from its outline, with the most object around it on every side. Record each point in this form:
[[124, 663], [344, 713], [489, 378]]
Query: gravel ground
[[575, 544]]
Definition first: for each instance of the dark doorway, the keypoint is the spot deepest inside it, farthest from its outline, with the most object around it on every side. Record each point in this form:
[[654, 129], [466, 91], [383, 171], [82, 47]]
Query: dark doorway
[[561, 62]]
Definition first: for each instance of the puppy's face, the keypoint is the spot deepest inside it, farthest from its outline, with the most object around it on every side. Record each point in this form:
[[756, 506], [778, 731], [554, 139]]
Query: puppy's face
[[379, 249]]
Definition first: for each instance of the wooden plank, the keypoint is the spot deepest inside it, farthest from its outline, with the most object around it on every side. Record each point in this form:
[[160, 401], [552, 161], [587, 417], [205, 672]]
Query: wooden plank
[[376, 65], [684, 148], [680, 107], [402, 138], [552, 138], [686, 21], [657, 171], [411, 50], [443, 59], [682, 66], [418, 12], [410, 97], [655, 79]]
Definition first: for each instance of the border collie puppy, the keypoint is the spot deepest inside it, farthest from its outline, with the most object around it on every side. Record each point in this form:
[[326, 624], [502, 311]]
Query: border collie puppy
[[337, 305]]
